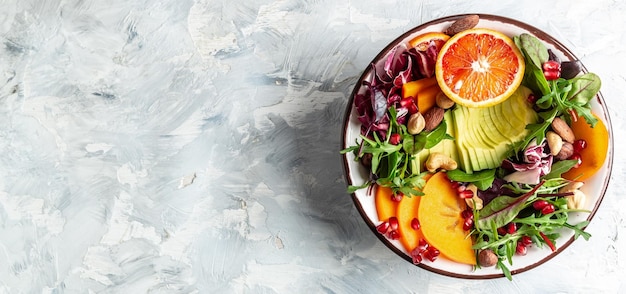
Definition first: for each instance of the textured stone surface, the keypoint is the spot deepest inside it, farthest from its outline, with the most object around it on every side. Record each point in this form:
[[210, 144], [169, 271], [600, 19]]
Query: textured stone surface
[[192, 146]]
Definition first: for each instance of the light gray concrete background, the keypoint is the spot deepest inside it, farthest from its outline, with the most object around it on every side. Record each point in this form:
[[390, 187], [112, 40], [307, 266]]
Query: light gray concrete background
[[188, 146]]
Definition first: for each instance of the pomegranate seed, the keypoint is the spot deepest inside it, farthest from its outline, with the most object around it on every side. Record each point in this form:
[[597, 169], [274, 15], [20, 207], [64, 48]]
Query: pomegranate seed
[[552, 75], [466, 194], [576, 156], [548, 209], [551, 65], [551, 70], [431, 254], [526, 241], [422, 245], [461, 188], [395, 139], [416, 256], [397, 197], [383, 228], [393, 223], [579, 145], [405, 102], [409, 104], [415, 224], [434, 251], [511, 228], [467, 214], [532, 98], [520, 249], [501, 231], [539, 204], [393, 235], [468, 224]]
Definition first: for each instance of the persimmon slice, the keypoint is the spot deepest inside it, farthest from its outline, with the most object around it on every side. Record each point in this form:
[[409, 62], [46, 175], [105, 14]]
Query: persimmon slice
[[441, 221]]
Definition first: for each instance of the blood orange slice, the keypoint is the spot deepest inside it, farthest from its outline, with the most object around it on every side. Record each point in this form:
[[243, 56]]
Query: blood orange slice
[[423, 41], [479, 67]]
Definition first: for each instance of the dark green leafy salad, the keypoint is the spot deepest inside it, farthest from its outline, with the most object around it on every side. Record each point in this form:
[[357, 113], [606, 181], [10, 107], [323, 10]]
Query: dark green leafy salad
[[521, 200]]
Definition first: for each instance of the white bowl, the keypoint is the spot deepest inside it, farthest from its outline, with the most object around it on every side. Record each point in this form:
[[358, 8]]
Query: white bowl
[[356, 174]]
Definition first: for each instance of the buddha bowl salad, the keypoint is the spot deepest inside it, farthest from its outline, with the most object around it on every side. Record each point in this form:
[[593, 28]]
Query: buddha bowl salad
[[514, 169]]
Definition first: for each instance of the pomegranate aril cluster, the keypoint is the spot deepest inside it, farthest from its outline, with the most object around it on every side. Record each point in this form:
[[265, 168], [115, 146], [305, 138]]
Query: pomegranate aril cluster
[[552, 70], [468, 219], [424, 250], [522, 245], [389, 228], [544, 206], [409, 104], [462, 190]]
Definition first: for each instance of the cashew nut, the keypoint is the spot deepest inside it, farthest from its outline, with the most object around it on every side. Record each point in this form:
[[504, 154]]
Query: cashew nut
[[438, 160], [416, 123], [555, 142], [576, 201], [475, 202]]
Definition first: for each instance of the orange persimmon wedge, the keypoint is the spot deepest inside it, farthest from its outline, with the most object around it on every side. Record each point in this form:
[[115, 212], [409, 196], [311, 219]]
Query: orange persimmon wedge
[[412, 88], [385, 206], [407, 211], [594, 155], [426, 99], [441, 222]]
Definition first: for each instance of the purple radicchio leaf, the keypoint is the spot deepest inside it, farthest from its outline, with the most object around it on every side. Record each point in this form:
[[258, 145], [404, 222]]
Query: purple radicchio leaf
[[404, 75], [389, 62], [536, 163], [424, 61], [383, 91], [380, 105], [402, 115], [394, 97]]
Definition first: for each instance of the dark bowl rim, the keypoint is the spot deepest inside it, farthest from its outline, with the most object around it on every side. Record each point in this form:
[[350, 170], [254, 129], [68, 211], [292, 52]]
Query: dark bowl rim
[[544, 37]]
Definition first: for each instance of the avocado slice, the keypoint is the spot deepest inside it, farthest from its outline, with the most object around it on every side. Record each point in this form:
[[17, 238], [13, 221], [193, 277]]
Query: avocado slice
[[484, 135]]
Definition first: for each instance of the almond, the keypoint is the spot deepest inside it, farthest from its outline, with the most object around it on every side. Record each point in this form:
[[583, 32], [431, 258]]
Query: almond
[[561, 127], [433, 118], [462, 24], [566, 151]]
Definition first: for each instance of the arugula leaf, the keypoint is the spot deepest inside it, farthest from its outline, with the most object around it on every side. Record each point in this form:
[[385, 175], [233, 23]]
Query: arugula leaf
[[353, 188], [536, 131], [578, 230], [505, 270]]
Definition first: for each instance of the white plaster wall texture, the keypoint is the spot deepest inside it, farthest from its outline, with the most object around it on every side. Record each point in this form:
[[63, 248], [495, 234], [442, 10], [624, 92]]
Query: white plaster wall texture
[[192, 146]]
